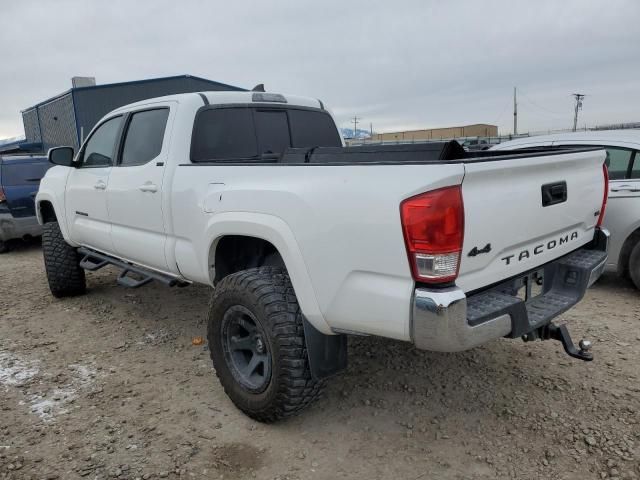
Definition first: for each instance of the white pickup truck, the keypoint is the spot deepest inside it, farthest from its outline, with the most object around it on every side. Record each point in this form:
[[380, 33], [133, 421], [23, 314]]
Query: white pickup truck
[[306, 241]]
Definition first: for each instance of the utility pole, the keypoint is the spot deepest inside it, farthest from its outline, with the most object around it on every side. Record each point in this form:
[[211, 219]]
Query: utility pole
[[515, 113], [579, 97], [355, 126], [371, 129]]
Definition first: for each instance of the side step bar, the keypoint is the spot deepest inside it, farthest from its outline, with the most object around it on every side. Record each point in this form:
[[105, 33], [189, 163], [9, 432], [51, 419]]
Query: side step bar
[[93, 261]]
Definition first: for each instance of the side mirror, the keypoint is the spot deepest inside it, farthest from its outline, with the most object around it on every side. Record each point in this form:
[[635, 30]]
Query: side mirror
[[61, 156]]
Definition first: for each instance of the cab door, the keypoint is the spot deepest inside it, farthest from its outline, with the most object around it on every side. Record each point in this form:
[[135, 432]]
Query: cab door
[[86, 193], [134, 194]]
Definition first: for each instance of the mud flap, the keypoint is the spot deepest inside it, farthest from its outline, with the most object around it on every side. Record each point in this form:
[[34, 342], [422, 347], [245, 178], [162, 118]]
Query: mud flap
[[327, 353]]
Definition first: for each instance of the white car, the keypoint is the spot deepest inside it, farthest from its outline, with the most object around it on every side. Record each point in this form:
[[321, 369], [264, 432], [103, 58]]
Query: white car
[[622, 216], [306, 241]]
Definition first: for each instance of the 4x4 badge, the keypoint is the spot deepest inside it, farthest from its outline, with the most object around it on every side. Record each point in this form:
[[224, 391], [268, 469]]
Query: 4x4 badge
[[474, 251]]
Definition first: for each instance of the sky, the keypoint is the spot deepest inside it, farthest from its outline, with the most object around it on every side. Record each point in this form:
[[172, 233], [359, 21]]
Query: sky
[[396, 65]]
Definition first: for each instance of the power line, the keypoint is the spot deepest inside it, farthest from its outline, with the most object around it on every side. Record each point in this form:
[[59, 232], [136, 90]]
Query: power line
[[529, 100], [504, 109]]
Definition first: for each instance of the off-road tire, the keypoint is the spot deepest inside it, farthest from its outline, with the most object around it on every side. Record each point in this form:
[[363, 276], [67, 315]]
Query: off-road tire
[[62, 263], [267, 293], [634, 265], [4, 247]]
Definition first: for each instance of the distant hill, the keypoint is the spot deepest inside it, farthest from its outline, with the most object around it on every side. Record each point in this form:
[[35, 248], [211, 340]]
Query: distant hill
[[348, 133]]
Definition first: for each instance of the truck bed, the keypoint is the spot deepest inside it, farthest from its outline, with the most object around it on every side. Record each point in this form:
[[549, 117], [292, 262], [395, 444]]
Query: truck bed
[[415, 153]]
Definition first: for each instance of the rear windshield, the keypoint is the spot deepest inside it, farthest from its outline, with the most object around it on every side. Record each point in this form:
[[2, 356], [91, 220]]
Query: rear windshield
[[255, 133]]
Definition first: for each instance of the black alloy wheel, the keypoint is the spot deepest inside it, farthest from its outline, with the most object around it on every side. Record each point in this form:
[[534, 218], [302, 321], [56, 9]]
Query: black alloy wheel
[[246, 349]]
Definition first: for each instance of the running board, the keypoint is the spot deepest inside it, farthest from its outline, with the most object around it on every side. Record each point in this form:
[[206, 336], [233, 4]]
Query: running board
[[93, 261]]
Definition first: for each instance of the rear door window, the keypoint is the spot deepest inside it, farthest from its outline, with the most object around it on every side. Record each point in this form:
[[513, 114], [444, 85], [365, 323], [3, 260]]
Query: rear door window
[[618, 161], [143, 140], [224, 134]]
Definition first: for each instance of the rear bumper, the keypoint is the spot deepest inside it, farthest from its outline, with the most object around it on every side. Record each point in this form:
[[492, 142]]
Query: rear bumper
[[11, 227], [447, 320]]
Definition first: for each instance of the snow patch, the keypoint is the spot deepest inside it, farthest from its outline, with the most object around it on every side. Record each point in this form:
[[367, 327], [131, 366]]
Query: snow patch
[[84, 373], [15, 371], [52, 403]]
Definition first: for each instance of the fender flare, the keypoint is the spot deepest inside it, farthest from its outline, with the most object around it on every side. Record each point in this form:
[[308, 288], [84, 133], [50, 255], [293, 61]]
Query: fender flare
[[46, 196], [276, 231]]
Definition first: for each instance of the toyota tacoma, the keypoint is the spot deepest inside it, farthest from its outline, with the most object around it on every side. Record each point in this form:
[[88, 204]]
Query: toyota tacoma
[[305, 241]]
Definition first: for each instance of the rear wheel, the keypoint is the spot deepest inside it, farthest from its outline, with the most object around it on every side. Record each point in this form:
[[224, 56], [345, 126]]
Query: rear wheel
[[62, 263], [257, 345], [4, 248], [634, 265]]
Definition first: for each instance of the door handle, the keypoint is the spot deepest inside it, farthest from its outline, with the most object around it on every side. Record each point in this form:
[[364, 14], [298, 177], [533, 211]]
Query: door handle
[[625, 188], [148, 187], [100, 185]]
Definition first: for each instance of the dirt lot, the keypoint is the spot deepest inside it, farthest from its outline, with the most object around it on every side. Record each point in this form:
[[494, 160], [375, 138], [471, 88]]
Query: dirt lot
[[109, 386]]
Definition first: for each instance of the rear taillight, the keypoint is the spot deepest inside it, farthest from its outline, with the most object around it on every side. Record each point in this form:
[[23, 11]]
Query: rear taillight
[[606, 194], [3, 198], [433, 226]]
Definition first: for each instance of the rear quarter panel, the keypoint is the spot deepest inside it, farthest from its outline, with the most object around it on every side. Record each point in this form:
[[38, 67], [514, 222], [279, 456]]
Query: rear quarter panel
[[343, 220]]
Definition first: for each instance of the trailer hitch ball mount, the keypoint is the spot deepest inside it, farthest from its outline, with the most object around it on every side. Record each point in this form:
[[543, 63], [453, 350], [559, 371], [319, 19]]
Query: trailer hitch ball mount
[[561, 333]]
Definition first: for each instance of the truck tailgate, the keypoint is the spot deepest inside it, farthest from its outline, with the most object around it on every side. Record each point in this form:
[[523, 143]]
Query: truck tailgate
[[521, 213]]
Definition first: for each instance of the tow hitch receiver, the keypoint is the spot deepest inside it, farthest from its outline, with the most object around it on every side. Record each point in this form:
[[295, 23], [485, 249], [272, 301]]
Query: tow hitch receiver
[[561, 333]]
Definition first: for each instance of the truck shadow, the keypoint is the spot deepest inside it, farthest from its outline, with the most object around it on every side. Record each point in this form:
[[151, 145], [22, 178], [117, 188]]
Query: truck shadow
[[391, 387]]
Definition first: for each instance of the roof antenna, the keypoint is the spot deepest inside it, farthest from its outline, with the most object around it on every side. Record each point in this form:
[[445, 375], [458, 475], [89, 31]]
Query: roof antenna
[[258, 88]]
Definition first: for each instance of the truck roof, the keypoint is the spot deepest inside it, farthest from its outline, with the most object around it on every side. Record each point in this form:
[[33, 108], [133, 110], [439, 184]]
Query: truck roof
[[228, 97]]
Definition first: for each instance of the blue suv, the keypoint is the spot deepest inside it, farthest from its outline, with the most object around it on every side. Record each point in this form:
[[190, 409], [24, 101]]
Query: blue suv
[[20, 177]]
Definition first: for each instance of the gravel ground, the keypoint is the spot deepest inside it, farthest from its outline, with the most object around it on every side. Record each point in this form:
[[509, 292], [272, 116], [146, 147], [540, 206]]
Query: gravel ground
[[109, 385]]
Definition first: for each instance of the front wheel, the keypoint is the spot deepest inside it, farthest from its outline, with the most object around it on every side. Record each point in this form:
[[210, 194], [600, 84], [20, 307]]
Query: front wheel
[[257, 345], [4, 247], [62, 263]]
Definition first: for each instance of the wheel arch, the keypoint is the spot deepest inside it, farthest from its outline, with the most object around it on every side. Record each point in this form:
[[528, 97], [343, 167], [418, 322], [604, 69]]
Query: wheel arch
[[45, 212], [269, 237]]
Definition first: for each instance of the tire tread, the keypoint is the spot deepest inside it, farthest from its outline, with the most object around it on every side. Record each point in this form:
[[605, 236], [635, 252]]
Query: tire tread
[[271, 288], [62, 263]]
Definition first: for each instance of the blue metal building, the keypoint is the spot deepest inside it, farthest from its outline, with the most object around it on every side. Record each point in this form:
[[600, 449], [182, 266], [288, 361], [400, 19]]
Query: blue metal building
[[69, 117]]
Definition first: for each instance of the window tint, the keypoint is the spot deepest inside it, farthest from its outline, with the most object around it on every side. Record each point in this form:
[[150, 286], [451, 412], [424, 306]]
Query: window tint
[[143, 141], [313, 129], [247, 133], [99, 150], [272, 130], [635, 172], [224, 134], [617, 162]]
